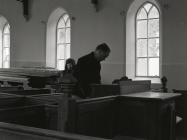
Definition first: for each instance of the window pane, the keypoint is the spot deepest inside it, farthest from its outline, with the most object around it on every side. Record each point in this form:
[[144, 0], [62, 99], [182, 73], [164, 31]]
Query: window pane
[[142, 48], [6, 64], [142, 29], [60, 52], [61, 23], [68, 23], [61, 36], [153, 47], [6, 53], [67, 35], [153, 13], [7, 29], [65, 17], [147, 6], [153, 66], [153, 28], [6, 41], [60, 64], [141, 67], [67, 51], [142, 14]]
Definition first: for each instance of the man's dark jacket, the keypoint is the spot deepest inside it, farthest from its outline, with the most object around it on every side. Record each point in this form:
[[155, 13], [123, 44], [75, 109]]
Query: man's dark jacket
[[88, 72]]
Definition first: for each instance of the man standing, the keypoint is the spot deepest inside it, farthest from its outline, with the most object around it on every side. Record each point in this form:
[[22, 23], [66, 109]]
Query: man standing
[[89, 67]]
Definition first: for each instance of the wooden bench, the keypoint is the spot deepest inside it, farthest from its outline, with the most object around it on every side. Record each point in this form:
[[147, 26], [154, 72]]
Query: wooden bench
[[181, 106], [28, 111], [147, 115], [93, 117], [27, 77]]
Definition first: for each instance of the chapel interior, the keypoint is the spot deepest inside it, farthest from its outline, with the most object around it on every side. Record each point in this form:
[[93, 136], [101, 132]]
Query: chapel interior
[[143, 90]]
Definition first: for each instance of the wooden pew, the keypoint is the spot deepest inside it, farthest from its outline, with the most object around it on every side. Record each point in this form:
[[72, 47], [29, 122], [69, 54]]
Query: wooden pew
[[181, 104], [93, 117], [151, 115], [147, 115], [13, 80], [57, 111], [10, 131], [24, 111], [27, 77], [28, 111]]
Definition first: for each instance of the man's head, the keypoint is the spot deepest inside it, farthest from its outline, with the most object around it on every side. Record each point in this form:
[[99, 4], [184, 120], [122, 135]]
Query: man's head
[[101, 52]]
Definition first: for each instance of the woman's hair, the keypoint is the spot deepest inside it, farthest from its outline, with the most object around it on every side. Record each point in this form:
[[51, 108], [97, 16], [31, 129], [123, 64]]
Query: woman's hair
[[70, 61]]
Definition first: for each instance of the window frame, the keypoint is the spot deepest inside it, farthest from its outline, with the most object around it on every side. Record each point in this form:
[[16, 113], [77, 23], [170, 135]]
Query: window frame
[[3, 47], [147, 38], [65, 43]]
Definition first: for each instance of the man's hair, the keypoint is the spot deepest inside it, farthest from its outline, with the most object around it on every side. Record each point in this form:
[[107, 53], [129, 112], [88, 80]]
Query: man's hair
[[103, 47]]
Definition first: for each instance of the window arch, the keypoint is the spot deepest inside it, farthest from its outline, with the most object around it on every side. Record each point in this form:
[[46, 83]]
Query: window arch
[[147, 41], [63, 41], [6, 46], [138, 11]]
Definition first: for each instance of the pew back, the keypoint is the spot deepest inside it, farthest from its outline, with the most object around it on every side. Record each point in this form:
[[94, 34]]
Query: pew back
[[181, 107]]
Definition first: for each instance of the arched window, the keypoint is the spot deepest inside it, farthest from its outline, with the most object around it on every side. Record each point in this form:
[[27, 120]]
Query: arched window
[[58, 38], [6, 46], [63, 41], [147, 52]]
